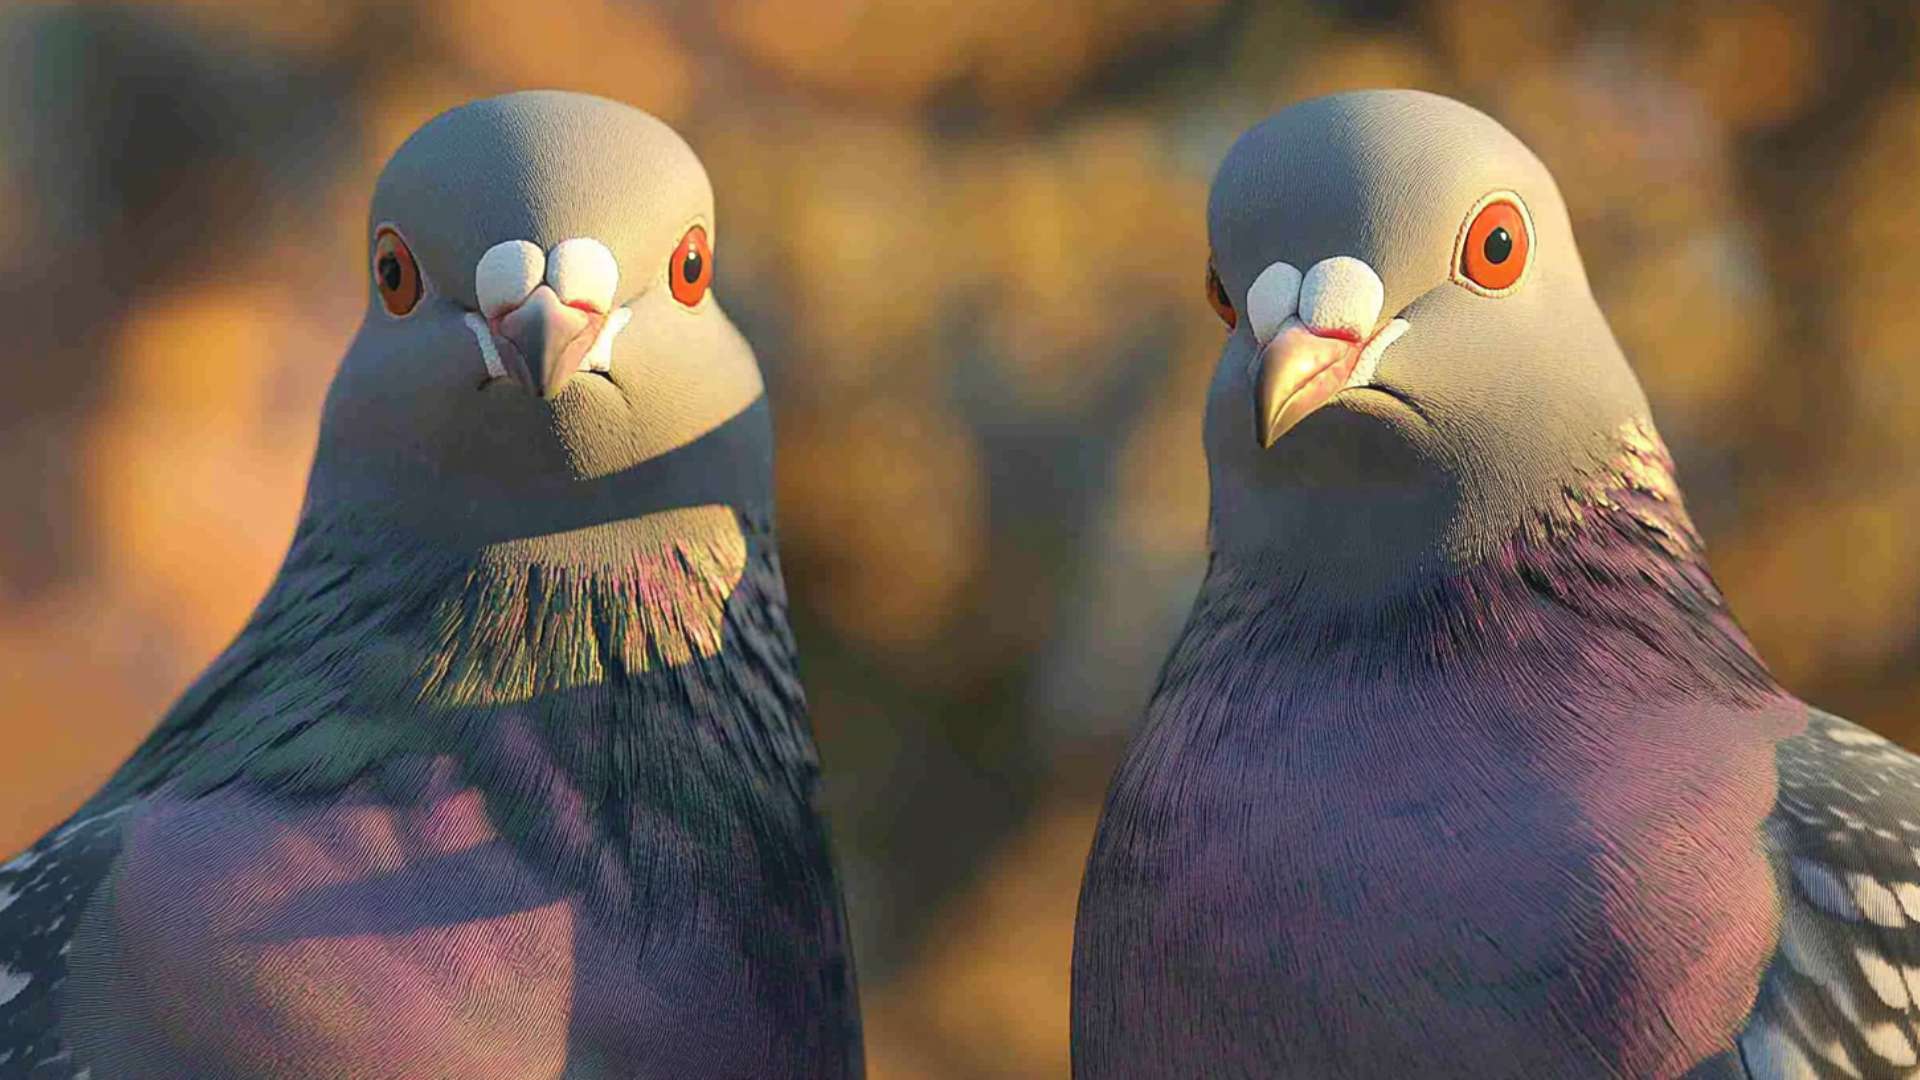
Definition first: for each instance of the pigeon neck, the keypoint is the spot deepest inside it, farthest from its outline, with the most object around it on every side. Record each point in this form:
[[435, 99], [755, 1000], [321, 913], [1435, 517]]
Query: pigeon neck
[[367, 646], [1605, 592], [621, 724], [600, 609]]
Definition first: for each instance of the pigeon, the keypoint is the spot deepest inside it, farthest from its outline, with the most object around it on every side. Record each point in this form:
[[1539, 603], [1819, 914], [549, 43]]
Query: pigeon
[[509, 775], [1460, 766]]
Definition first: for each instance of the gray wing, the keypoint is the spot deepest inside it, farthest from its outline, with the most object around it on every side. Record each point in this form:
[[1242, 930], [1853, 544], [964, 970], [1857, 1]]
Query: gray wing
[[42, 892], [1841, 997]]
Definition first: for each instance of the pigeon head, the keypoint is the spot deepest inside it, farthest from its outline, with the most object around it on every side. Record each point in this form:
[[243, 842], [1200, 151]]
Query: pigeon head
[[1416, 363], [541, 350]]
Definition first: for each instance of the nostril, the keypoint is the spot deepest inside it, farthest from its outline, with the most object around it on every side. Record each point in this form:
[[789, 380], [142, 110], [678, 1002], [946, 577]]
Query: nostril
[[542, 318]]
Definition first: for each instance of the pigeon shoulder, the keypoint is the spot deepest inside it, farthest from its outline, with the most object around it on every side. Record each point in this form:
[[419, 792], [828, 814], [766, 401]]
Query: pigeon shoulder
[[43, 892], [1841, 997]]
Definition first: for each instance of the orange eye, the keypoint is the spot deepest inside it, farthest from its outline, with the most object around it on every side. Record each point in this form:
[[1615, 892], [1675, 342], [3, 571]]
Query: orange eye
[[690, 271], [395, 273], [1217, 296], [1494, 250]]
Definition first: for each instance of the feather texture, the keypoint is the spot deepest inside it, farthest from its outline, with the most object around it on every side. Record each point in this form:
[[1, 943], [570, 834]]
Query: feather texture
[[509, 775], [589, 742], [1506, 823]]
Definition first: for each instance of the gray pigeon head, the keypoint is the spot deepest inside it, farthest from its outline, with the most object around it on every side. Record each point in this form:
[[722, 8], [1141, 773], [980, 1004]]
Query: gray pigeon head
[[541, 352], [1416, 363]]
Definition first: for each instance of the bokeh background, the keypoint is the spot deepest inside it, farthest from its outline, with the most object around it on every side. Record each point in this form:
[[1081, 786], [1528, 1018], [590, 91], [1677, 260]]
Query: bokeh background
[[966, 238]]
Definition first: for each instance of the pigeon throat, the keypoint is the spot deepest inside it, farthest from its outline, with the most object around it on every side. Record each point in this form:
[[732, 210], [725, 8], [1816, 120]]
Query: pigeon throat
[[1607, 587], [357, 653], [532, 616]]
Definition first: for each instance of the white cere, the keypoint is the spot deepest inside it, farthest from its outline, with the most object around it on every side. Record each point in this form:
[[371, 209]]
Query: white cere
[[582, 270], [1273, 298], [1341, 294], [506, 274]]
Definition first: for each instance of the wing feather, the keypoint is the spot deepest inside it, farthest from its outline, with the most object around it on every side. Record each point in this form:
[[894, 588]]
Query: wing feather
[[42, 892], [1841, 998]]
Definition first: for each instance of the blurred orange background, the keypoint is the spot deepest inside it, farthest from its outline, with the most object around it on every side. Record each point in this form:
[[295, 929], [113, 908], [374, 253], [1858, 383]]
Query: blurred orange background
[[967, 241]]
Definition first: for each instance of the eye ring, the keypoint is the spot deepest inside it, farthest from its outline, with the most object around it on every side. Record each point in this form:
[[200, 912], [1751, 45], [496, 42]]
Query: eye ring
[[1218, 299], [690, 269], [1493, 254], [396, 274]]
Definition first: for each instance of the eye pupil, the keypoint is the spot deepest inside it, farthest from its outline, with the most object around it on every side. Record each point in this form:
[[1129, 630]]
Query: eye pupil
[[1499, 246], [690, 268], [1495, 246], [395, 275]]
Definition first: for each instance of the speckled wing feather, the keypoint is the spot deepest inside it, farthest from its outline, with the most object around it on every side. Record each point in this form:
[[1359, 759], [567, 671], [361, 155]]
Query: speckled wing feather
[[1841, 997], [42, 892]]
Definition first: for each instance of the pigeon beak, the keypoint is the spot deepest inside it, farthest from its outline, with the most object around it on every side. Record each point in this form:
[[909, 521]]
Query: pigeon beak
[[1300, 370], [1296, 373], [542, 341]]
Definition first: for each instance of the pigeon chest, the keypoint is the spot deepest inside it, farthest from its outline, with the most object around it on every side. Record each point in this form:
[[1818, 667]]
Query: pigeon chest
[[241, 937], [1412, 888]]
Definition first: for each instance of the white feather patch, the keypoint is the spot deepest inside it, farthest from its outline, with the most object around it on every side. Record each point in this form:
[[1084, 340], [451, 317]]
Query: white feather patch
[[1882, 976], [1369, 362], [1887, 1040], [1341, 294], [1876, 901], [600, 357], [505, 275], [1853, 736], [583, 271], [11, 983], [483, 334]]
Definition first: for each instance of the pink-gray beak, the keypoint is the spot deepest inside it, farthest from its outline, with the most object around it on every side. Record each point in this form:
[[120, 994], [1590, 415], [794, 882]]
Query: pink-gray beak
[[542, 341]]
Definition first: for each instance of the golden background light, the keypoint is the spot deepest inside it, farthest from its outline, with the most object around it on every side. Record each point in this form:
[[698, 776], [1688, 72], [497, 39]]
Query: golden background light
[[967, 241]]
